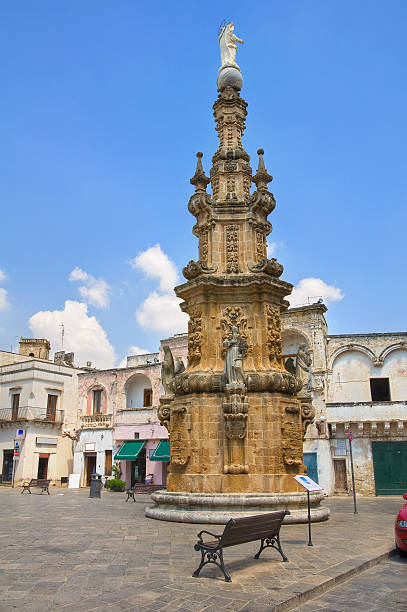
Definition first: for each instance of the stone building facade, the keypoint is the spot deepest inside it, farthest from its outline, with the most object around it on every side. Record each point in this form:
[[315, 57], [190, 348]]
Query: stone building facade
[[119, 405], [358, 382], [38, 398]]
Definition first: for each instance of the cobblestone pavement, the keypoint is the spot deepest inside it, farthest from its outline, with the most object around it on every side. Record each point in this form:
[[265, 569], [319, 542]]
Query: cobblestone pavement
[[68, 552], [380, 588]]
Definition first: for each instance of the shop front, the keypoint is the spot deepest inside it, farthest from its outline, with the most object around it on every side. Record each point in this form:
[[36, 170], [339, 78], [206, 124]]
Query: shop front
[[140, 451]]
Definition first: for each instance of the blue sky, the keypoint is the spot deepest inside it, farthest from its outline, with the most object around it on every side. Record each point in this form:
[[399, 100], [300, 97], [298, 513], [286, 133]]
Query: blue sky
[[104, 105]]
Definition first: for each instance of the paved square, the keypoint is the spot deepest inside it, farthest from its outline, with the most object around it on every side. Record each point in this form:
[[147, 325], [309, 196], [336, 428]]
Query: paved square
[[73, 553]]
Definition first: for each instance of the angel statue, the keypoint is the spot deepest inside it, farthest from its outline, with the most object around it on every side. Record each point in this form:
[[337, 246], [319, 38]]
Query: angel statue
[[228, 47]]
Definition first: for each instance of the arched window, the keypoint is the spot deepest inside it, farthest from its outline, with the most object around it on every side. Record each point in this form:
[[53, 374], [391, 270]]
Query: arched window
[[138, 391]]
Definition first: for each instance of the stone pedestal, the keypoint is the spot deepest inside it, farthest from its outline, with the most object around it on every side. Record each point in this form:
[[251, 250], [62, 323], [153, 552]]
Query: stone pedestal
[[219, 508]]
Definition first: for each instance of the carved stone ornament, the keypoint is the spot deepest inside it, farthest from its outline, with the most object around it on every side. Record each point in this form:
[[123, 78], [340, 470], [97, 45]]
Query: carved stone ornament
[[214, 382], [262, 202], [194, 337], [196, 268], [235, 409], [292, 441], [179, 437], [168, 372], [274, 335], [164, 413], [199, 204], [232, 248], [268, 266], [233, 315]]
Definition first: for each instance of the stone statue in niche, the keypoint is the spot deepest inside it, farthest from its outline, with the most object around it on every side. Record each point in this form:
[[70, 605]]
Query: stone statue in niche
[[228, 47], [236, 349], [303, 367], [179, 366], [290, 365]]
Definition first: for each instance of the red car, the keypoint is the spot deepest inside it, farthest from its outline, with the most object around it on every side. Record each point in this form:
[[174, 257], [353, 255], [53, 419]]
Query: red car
[[400, 529]]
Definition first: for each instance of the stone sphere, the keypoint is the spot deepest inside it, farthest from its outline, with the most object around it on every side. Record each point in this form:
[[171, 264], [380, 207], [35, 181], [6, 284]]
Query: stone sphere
[[229, 77]]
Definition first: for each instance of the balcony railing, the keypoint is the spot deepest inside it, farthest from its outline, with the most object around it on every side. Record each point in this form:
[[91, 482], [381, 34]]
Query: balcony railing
[[30, 413], [96, 421]]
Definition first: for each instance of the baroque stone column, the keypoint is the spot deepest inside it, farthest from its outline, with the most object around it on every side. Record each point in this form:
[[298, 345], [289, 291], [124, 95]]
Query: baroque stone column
[[233, 443]]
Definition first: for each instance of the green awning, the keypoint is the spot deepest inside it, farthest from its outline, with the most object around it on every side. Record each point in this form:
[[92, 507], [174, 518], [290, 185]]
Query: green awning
[[130, 450], [162, 452]]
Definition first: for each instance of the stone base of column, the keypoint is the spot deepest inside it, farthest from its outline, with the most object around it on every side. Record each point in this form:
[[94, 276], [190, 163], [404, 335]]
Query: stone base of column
[[218, 508]]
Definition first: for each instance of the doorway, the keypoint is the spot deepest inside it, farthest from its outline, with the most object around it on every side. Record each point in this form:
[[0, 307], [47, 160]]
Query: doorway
[[43, 466], [8, 465], [341, 482], [138, 469], [90, 467]]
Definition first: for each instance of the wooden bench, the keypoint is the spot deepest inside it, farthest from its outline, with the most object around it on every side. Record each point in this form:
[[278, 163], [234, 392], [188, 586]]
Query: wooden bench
[[264, 527], [36, 482]]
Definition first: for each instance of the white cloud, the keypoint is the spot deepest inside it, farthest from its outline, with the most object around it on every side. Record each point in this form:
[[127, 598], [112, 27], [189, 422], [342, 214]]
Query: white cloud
[[4, 303], [156, 264], [83, 334], [3, 275], [160, 311], [309, 290], [96, 291], [272, 247]]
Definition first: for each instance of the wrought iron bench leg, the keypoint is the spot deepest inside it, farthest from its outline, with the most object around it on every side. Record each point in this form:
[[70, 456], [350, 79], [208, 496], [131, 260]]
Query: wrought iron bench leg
[[212, 558], [202, 563], [271, 543]]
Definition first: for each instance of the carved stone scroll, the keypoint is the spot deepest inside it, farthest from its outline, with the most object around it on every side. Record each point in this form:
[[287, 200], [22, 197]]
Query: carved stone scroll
[[235, 408]]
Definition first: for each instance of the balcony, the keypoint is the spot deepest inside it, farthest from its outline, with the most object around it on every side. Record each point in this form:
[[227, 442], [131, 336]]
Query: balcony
[[96, 421], [30, 413]]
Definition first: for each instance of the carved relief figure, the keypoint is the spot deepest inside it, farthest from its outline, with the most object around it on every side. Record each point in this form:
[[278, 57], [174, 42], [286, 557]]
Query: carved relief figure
[[228, 46], [236, 349]]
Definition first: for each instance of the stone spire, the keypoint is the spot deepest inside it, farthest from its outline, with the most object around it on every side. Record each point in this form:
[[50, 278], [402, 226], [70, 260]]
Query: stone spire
[[234, 419]]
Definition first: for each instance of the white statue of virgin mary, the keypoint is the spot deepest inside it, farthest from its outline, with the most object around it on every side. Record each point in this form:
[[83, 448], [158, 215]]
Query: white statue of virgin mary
[[228, 47]]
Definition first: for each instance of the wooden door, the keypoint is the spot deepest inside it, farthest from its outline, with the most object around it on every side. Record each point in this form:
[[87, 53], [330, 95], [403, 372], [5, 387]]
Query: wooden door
[[310, 460], [390, 467], [51, 407], [90, 467], [341, 483]]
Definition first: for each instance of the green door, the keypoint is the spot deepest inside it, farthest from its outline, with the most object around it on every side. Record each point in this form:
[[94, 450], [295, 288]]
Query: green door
[[390, 467]]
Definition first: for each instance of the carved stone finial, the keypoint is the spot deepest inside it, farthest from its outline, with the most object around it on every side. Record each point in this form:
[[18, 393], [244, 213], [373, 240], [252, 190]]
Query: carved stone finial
[[261, 178], [199, 179]]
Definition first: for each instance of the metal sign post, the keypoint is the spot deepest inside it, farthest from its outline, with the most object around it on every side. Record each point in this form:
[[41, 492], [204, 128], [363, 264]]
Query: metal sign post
[[353, 475], [309, 485]]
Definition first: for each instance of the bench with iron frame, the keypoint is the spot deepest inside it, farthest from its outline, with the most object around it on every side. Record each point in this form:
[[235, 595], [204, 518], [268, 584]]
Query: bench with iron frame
[[264, 527], [40, 483]]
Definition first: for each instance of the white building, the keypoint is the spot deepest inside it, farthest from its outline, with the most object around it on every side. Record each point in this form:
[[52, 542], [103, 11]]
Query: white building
[[38, 397]]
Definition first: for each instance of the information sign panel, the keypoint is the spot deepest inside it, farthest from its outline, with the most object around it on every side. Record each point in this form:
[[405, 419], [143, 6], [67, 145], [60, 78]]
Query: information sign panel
[[307, 483]]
